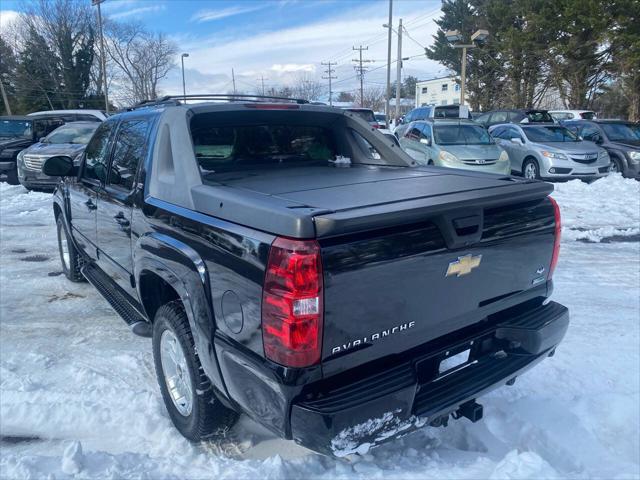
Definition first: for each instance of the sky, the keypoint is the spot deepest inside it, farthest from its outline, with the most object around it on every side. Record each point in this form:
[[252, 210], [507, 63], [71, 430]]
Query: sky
[[278, 40]]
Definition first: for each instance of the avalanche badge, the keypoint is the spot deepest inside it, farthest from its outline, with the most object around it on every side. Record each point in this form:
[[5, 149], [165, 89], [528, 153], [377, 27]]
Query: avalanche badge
[[463, 265]]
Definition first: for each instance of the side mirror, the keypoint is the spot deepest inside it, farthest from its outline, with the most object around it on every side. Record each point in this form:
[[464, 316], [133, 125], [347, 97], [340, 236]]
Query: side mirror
[[60, 166], [598, 139], [516, 140], [42, 139], [425, 141]]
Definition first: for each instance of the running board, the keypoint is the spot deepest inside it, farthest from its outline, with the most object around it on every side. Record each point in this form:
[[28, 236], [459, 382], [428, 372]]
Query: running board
[[117, 299]]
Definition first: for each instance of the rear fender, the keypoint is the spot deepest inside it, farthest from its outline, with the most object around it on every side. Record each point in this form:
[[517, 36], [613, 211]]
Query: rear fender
[[182, 267]]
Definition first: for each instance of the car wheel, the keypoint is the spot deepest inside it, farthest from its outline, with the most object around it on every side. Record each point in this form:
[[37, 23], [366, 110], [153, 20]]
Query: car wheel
[[12, 177], [616, 166], [187, 392], [69, 256], [530, 170]]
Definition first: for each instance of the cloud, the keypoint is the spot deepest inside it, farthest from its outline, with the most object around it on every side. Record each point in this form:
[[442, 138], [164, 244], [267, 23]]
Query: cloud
[[211, 14], [293, 67], [138, 11]]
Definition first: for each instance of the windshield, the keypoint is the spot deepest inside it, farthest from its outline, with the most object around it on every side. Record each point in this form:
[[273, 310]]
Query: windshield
[[550, 134], [618, 132], [366, 115], [72, 134], [16, 128], [461, 135]]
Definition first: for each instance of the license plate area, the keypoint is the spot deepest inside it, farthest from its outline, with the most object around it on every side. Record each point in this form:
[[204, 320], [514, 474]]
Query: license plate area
[[452, 362]]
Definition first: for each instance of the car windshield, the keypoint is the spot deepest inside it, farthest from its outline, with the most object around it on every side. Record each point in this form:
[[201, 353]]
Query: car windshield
[[366, 115], [16, 128], [550, 134], [618, 132], [461, 135], [72, 134]]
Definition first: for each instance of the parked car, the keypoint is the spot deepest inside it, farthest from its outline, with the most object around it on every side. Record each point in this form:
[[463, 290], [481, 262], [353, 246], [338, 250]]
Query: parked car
[[381, 118], [70, 139], [280, 269], [454, 144], [431, 111], [551, 152], [16, 134], [79, 115], [560, 115], [366, 114], [619, 138], [497, 117]]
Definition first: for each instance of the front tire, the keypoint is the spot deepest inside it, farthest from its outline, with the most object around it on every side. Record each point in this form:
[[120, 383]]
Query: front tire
[[12, 177], [530, 170], [69, 256], [188, 394], [616, 166]]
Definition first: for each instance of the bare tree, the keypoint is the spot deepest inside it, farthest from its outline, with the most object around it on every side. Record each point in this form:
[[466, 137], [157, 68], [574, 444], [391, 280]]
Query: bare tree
[[142, 59], [307, 88], [373, 98]]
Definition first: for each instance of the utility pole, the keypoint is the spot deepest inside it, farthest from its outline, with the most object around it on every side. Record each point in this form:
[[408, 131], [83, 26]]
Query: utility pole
[[102, 55], [4, 96], [329, 71], [262, 79], [399, 77], [233, 78], [388, 95], [361, 70]]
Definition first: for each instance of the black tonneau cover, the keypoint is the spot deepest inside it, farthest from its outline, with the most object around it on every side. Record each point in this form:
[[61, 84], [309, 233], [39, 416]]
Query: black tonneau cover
[[324, 201]]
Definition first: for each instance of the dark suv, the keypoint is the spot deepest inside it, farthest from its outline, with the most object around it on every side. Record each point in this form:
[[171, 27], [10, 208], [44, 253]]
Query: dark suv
[[294, 265], [18, 133], [619, 138], [496, 117]]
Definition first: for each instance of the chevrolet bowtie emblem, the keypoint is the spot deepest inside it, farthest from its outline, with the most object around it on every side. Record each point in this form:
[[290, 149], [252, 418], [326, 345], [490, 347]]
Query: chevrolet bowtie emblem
[[463, 265]]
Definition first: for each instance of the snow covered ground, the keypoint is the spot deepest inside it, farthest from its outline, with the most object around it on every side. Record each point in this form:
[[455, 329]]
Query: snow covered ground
[[78, 394]]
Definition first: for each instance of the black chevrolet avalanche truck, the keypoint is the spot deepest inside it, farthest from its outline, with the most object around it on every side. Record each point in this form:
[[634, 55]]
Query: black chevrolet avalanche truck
[[293, 264]]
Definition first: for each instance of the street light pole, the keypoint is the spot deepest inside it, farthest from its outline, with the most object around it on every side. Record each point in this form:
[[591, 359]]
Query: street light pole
[[399, 70], [463, 74], [454, 36], [184, 89], [103, 56], [388, 95]]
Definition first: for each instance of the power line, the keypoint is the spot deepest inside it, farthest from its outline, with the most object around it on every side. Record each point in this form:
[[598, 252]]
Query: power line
[[360, 69], [329, 71]]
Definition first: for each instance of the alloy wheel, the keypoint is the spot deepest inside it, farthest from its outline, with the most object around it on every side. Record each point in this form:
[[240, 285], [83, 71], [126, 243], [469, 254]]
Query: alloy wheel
[[176, 373]]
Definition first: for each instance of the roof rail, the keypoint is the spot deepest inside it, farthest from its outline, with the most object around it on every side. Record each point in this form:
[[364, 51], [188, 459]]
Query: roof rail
[[222, 97]]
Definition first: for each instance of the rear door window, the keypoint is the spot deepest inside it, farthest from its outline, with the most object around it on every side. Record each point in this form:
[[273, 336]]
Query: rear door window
[[128, 153]]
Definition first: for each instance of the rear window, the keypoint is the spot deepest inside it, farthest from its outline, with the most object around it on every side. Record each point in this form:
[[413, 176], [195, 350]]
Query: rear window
[[366, 115], [539, 116], [228, 148], [588, 115]]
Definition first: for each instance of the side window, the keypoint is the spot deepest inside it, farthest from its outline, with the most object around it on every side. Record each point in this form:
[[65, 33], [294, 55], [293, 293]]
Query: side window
[[513, 133], [97, 152], [86, 118], [128, 153], [426, 131], [413, 133], [498, 133]]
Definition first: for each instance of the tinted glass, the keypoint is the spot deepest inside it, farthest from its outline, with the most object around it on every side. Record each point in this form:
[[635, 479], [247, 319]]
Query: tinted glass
[[452, 111], [539, 116], [86, 118], [72, 134], [16, 128], [461, 135], [588, 115], [231, 148], [618, 132], [366, 115], [590, 132], [97, 152], [550, 134], [128, 153], [426, 131], [484, 118]]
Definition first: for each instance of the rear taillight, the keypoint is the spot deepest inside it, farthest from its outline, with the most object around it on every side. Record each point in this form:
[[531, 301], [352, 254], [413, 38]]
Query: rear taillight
[[556, 241], [292, 307]]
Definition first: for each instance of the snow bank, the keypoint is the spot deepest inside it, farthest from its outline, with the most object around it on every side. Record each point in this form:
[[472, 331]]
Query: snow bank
[[78, 394]]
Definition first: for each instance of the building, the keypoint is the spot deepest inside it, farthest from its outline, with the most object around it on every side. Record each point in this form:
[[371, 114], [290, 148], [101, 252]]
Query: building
[[438, 91]]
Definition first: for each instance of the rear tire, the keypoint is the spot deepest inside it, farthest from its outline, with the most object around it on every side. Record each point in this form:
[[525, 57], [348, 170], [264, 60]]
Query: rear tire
[[69, 256], [188, 394], [530, 169]]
